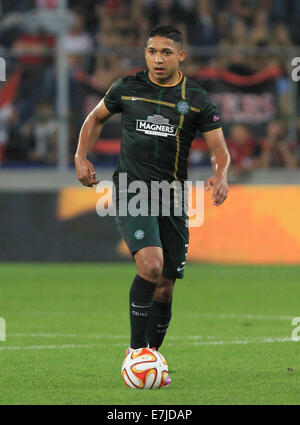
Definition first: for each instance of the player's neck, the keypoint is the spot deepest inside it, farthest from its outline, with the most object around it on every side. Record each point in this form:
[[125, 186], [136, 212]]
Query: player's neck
[[172, 81]]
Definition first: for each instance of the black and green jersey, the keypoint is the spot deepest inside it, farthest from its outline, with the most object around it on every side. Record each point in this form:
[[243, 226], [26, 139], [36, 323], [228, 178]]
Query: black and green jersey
[[159, 124]]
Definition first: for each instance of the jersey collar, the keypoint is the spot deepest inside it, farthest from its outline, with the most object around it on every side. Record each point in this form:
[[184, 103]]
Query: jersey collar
[[167, 85]]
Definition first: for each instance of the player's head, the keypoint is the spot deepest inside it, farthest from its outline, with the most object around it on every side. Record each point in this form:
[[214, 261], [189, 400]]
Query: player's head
[[164, 52]]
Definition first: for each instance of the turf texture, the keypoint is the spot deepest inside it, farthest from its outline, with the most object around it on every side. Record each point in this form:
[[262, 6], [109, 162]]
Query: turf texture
[[229, 342]]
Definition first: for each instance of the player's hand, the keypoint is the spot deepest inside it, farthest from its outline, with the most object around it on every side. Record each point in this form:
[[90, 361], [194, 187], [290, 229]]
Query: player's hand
[[85, 171], [220, 188]]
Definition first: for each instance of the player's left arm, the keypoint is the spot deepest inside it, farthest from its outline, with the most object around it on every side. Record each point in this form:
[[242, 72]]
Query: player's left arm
[[220, 160]]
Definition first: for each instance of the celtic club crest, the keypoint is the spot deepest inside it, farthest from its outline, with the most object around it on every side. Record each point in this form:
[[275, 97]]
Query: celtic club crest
[[183, 107]]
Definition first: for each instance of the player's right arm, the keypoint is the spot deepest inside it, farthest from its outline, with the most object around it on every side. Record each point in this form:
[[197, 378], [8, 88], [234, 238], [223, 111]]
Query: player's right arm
[[88, 136]]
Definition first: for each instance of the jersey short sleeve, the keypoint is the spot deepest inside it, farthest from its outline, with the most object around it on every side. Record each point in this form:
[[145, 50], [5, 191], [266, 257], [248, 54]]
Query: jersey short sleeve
[[209, 117], [112, 98]]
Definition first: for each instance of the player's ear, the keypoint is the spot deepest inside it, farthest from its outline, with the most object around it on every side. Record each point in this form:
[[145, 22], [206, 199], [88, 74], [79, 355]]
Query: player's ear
[[182, 55]]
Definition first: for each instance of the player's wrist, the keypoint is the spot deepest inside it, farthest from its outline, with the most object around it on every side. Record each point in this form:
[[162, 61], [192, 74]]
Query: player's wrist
[[80, 156], [221, 174]]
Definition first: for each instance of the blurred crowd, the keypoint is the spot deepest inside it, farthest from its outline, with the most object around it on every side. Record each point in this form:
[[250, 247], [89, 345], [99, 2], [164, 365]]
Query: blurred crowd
[[105, 39]]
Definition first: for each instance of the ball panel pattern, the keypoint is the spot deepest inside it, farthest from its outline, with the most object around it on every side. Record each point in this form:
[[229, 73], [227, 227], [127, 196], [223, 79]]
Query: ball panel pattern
[[144, 368]]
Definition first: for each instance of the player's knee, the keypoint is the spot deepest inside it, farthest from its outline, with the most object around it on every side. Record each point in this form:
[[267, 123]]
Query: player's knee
[[153, 269]]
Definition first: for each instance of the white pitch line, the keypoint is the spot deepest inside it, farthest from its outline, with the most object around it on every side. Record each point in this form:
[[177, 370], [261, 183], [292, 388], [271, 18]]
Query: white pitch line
[[237, 316], [54, 335], [96, 336], [188, 315], [64, 346], [262, 340], [125, 337]]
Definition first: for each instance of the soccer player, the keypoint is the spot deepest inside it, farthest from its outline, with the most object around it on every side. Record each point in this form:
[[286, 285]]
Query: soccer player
[[161, 111]]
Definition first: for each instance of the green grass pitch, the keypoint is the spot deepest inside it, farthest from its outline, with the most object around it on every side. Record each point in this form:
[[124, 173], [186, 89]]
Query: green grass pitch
[[229, 341]]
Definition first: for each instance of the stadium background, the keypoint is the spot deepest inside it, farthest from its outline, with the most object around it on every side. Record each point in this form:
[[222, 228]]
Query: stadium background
[[60, 59]]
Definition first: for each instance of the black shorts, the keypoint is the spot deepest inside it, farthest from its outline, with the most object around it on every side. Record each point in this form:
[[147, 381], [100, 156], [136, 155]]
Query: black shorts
[[171, 233]]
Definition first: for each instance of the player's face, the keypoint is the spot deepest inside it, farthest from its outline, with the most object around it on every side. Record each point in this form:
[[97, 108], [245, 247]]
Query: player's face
[[163, 57]]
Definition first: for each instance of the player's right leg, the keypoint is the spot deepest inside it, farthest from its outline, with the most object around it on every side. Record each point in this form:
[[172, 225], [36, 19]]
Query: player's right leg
[[149, 263], [141, 235]]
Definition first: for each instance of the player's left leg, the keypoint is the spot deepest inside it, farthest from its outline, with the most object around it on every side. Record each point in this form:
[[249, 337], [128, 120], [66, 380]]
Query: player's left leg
[[161, 311], [174, 236]]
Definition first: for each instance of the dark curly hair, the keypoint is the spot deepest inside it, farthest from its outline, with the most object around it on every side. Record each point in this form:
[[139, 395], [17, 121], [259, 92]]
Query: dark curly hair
[[168, 31]]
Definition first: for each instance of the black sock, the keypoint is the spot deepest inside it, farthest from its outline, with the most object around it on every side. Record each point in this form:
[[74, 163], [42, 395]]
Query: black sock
[[158, 323], [140, 302]]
